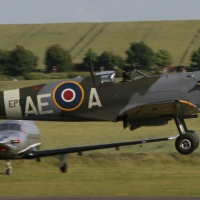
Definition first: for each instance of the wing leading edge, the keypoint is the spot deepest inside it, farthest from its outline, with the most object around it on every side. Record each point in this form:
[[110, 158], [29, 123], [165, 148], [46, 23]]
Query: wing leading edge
[[175, 108]]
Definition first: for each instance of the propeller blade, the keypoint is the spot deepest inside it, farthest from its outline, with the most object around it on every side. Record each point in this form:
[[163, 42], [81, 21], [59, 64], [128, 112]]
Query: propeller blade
[[91, 70]]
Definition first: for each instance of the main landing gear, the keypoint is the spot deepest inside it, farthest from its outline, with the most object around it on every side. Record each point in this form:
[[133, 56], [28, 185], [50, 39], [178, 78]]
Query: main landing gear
[[188, 140]]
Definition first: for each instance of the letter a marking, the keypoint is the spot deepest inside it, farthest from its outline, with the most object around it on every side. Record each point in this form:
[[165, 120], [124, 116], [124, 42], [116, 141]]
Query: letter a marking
[[94, 96]]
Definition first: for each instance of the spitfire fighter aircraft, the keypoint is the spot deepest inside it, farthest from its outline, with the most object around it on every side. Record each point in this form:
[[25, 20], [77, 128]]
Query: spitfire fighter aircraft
[[139, 101]]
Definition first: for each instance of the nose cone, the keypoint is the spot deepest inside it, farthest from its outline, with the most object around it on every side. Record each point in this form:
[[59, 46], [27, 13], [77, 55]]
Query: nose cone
[[4, 140], [10, 143], [7, 147], [4, 149]]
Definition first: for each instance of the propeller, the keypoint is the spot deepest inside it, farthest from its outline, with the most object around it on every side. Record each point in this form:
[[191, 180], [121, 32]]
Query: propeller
[[91, 70], [5, 141]]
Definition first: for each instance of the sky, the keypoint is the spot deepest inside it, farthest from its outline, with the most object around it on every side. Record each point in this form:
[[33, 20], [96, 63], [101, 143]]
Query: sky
[[71, 11]]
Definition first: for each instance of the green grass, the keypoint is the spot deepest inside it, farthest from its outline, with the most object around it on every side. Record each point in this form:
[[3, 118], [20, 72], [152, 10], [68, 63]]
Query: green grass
[[154, 169], [106, 175], [174, 36]]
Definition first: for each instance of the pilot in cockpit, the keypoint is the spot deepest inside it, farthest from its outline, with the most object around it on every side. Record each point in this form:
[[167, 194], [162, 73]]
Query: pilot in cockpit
[[126, 76]]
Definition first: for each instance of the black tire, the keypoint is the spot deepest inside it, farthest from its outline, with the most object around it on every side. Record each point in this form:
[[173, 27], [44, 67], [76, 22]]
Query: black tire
[[38, 159], [186, 143], [8, 171], [196, 136], [63, 168]]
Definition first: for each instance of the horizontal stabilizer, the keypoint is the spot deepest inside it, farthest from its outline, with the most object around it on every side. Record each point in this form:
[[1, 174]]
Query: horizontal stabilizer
[[52, 152]]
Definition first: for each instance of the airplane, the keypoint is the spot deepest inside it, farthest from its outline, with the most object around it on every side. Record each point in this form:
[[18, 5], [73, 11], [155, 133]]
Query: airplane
[[138, 100], [20, 139]]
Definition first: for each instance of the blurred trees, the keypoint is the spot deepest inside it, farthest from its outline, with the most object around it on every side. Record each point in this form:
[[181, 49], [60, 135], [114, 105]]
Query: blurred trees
[[90, 56], [109, 61], [163, 58], [57, 57], [19, 61], [4, 60], [140, 54], [195, 59]]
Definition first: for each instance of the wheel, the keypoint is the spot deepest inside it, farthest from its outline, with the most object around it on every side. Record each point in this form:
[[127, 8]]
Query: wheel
[[186, 143], [196, 136], [63, 168], [38, 159]]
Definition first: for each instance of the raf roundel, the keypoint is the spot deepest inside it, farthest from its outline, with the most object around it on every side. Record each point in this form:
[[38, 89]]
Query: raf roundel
[[68, 95]]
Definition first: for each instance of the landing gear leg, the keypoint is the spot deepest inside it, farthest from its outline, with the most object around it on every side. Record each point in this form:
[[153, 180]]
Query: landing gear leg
[[63, 163], [181, 126], [188, 140], [8, 167]]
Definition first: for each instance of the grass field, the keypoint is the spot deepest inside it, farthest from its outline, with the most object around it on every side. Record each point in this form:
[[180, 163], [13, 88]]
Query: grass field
[[180, 38], [154, 169]]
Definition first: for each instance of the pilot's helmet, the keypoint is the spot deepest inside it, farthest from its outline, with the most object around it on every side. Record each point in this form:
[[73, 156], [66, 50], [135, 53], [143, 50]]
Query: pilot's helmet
[[126, 74]]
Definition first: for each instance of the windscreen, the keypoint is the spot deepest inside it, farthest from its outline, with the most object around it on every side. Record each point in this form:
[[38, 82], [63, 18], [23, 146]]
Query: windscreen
[[138, 75], [3, 127], [15, 127]]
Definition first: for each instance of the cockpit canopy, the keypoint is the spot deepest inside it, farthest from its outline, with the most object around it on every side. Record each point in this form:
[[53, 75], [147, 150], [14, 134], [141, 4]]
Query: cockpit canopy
[[24, 126], [11, 126], [137, 75], [108, 77], [105, 77]]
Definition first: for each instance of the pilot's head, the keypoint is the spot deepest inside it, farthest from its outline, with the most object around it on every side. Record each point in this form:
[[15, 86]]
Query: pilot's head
[[126, 74]]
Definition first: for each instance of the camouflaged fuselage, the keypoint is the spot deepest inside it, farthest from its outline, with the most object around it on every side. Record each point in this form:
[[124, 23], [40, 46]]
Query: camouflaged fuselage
[[81, 99]]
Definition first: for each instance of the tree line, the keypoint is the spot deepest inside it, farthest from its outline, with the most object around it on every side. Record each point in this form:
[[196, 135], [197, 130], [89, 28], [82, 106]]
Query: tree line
[[21, 61]]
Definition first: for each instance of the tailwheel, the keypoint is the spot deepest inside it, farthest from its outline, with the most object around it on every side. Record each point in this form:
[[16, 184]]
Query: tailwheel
[[186, 143]]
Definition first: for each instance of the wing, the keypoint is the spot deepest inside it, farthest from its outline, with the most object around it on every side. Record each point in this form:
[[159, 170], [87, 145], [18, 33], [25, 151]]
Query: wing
[[176, 108], [52, 152]]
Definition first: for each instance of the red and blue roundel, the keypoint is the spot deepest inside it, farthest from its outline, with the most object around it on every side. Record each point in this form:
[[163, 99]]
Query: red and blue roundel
[[68, 95]]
